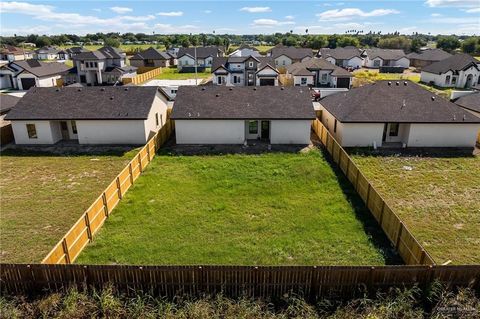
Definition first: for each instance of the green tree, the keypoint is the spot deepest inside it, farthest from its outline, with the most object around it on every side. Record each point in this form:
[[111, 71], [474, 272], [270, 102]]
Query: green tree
[[471, 45], [43, 41], [317, 42], [396, 42], [344, 41], [112, 42], [448, 43], [417, 43]]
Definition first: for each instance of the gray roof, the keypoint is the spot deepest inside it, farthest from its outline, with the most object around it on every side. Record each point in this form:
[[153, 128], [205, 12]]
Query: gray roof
[[151, 54], [7, 102], [47, 50], [345, 53], [406, 102], [385, 54], [430, 55], [40, 68], [225, 61], [100, 54], [454, 63], [291, 52], [470, 101], [88, 103], [76, 50], [304, 68], [261, 102], [202, 52]]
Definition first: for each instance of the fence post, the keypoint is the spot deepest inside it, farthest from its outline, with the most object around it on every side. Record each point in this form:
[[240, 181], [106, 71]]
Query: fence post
[[89, 229], [130, 171], [399, 235], [140, 162], [148, 153], [105, 204], [65, 251], [119, 188], [422, 257]]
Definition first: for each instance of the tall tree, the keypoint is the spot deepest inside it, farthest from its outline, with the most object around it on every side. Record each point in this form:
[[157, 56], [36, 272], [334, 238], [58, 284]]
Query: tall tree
[[448, 43]]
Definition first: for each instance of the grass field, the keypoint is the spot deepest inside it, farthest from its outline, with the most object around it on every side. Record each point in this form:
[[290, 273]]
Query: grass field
[[266, 209], [374, 75], [439, 199], [43, 195], [173, 74], [125, 47]]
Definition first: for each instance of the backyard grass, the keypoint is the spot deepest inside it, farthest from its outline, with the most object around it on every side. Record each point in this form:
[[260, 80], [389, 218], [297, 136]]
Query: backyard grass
[[439, 200], [270, 209], [173, 74], [42, 195]]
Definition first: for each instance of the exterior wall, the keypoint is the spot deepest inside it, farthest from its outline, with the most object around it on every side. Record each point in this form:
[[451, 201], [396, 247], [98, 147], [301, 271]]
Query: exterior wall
[[331, 60], [159, 107], [156, 63], [371, 63], [333, 82], [443, 135], [111, 132], [266, 73], [283, 61], [245, 52], [403, 62], [297, 80], [440, 79], [354, 62], [185, 61], [210, 131], [48, 132], [39, 82], [47, 56], [290, 131]]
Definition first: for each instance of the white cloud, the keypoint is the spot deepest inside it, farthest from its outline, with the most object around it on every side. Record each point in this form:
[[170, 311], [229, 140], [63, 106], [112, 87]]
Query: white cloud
[[452, 3], [350, 13], [121, 10], [270, 23], [407, 30], [256, 9], [207, 11], [289, 17], [436, 15], [168, 28], [138, 18], [97, 10], [474, 10], [171, 14]]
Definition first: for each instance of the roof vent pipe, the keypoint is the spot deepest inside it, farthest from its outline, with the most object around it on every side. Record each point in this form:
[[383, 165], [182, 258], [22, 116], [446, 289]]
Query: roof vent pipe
[[397, 83], [389, 83], [433, 98], [217, 95], [405, 83]]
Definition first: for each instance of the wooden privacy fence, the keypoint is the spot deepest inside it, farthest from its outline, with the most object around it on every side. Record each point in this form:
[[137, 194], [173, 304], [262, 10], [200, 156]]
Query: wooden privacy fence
[[412, 252], [140, 78], [82, 232], [311, 282]]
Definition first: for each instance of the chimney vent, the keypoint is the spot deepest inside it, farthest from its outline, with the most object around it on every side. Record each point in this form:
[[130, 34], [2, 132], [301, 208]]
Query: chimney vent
[[405, 83], [111, 98], [217, 95], [397, 83], [389, 83], [102, 89], [433, 98]]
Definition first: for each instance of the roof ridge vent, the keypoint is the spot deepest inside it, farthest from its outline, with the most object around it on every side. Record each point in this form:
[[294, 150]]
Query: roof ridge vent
[[230, 89], [282, 88], [254, 88], [464, 117], [126, 89], [79, 90], [203, 89]]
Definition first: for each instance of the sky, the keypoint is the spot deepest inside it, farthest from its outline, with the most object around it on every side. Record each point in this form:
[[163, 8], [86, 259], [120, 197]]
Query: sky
[[239, 17]]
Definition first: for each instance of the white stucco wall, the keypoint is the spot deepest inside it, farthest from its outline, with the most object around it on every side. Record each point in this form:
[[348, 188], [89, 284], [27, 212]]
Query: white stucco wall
[[111, 132], [159, 106], [48, 81], [210, 131], [47, 132], [185, 61], [290, 131], [297, 80], [443, 135], [403, 62], [283, 61], [355, 62]]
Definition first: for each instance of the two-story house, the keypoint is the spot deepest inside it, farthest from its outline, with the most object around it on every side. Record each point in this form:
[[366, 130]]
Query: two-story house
[[245, 50], [107, 65], [152, 57], [460, 71], [244, 71], [201, 57], [285, 56]]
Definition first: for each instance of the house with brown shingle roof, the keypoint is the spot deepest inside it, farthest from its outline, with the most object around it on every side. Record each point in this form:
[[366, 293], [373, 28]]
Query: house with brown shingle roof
[[244, 71], [11, 53], [319, 72], [30, 73], [397, 114], [285, 56], [152, 58], [427, 57], [376, 58], [345, 57]]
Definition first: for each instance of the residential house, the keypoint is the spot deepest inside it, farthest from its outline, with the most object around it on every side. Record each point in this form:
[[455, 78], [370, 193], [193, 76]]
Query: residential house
[[204, 57], [69, 53], [285, 56], [244, 71], [152, 58], [427, 57], [11, 53], [471, 103], [376, 58], [7, 102], [47, 53], [238, 115], [460, 71], [398, 114], [346, 57], [245, 50], [23, 75], [319, 72], [105, 66], [89, 115]]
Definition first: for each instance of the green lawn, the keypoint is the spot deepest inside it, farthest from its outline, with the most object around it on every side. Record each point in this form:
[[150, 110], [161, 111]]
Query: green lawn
[[439, 199], [270, 209], [173, 74], [43, 195]]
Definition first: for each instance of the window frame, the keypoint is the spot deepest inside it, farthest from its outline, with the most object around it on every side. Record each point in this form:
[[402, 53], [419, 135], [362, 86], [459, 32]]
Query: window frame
[[255, 123], [156, 119], [395, 131], [73, 124], [31, 131]]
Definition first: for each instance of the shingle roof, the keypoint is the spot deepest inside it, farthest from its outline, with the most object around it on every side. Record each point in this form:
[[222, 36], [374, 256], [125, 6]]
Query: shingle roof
[[385, 54], [7, 102], [41, 69], [202, 52], [302, 68], [224, 61], [406, 102], [456, 62], [76, 50], [151, 54], [470, 101], [345, 53], [430, 55], [262, 102], [100, 54], [10, 49], [111, 52], [88, 103], [47, 50], [291, 52]]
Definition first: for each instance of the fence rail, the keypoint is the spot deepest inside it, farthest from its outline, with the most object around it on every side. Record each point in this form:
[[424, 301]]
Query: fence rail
[[412, 252], [82, 232], [140, 78], [264, 281]]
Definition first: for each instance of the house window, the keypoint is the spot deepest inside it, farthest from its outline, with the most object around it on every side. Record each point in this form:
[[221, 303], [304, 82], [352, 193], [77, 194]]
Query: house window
[[236, 79], [156, 119], [74, 127], [161, 119], [335, 126], [376, 63], [303, 81], [219, 80], [324, 76], [250, 64], [283, 62], [32, 131], [393, 129], [96, 64], [454, 80], [253, 127], [447, 80]]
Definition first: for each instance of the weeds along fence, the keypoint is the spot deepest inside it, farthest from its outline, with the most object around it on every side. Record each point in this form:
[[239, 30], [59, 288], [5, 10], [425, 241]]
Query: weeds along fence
[[412, 252], [82, 232], [311, 282], [140, 78]]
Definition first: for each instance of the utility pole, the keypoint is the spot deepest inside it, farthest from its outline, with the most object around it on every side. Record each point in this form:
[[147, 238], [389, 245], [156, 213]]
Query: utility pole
[[196, 78]]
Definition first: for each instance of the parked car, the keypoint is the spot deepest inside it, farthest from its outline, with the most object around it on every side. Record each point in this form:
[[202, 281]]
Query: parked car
[[315, 94]]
